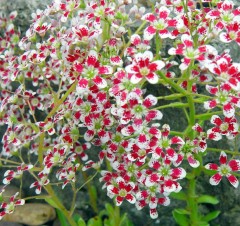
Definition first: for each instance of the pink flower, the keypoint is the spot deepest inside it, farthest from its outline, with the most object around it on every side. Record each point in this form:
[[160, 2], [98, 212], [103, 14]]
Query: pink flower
[[11, 174], [8, 207], [224, 169], [232, 33], [91, 71], [226, 71], [122, 190], [227, 127], [143, 67], [163, 144], [43, 180], [190, 149], [84, 34], [159, 25], [149, 196], [137, 45], [188, 51], [225, 96], [46, 126]]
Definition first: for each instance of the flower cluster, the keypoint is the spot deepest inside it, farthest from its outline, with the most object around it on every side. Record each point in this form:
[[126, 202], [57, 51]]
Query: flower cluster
[[8, 207], [75, 92]]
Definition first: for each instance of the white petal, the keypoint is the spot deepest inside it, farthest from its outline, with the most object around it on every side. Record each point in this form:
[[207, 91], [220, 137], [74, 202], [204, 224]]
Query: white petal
[[135, 79], [224, 38], [160, 64]]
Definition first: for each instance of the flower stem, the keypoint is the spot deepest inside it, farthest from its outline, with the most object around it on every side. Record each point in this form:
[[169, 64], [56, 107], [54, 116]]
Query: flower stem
[[158, 43], [192, 205], [51, 113], [59, 205]]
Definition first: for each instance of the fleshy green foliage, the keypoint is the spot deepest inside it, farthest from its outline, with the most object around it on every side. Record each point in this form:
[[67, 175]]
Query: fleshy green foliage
[[110, 216]]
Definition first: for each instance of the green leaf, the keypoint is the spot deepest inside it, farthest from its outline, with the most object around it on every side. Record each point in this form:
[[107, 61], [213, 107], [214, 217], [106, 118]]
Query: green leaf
[[93, 192], [208, 199], [181, 219], [93, 197], [125, 221], [110, 209], [211, 216], [61, 218], [96, 221], [81, 222], [51, 202], [178, 195], [203, 223], [182, 211]]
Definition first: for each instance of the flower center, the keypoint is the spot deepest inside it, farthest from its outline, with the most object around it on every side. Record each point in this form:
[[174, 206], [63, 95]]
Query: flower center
[[131, 168], [99, 11], [224, 76], [190, 53], [144, 71], [153, 189], [142, 152], [224, 126], [56, 158], [222, 98], [117, 138], [122, 193], [138, 109], [10, 207], [159, 25], [165, 143], [86, 108], [227, 17], [232, 35], [225, 169], [98, 125], [128, 85], [165, 171], [34, 102], [187, 147], [90, 72]]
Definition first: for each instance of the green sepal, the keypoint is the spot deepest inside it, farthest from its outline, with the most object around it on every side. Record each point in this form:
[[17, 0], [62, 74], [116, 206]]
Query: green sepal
[[211, 216], [180, 219], [207, 199]]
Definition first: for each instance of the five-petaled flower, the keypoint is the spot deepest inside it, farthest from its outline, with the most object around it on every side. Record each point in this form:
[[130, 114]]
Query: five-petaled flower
[[227, 126], [143, 66], [122, 190], [91, 71], [188, 50], [159, 25], [225, 169]]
